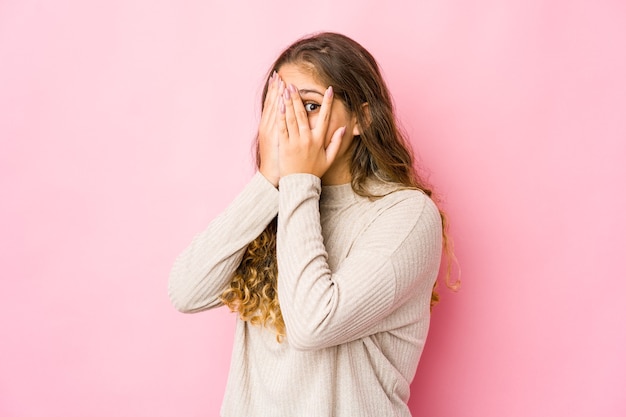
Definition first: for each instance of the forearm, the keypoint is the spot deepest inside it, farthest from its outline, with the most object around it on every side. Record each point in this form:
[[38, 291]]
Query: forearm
[[395, 248], [305, 290], [205, 268]]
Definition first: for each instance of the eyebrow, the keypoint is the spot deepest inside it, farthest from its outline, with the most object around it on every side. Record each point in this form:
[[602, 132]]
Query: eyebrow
[[304, 91]]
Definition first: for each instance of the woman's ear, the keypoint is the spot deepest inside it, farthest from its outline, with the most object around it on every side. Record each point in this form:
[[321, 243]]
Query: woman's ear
[[368, 119]]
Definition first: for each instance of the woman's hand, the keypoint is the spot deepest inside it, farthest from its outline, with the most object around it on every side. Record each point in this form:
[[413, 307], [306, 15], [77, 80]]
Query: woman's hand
[[302, 149], [268, 134]]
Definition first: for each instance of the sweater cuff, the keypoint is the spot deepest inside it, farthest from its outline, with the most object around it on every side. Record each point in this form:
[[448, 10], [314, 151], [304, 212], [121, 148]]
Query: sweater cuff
[[300, 182], [257, 202], [259, 181]]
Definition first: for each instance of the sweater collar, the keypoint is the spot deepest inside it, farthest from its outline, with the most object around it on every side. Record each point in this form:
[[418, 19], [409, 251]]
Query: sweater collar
[[337, 194]]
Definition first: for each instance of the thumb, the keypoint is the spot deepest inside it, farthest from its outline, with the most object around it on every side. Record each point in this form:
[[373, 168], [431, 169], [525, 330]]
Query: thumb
[[335, 142]]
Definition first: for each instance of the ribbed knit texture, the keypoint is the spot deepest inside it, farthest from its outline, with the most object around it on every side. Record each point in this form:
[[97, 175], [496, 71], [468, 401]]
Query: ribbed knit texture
[[354, 285]]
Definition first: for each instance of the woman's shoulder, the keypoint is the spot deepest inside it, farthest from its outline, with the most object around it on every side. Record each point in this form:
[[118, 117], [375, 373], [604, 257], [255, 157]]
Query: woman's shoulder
[[400, 204], [410, 203], [390, 194], [408, 214]]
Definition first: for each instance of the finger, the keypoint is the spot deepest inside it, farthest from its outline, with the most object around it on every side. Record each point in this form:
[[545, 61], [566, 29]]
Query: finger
[[290, 116], [280, 89], [268, 92], [321, 127], [280, 123], [302, 118], [270, 99], [335, 143]]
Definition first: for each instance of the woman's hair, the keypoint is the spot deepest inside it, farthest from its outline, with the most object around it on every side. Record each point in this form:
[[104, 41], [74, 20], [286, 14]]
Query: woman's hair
[[381, 151]]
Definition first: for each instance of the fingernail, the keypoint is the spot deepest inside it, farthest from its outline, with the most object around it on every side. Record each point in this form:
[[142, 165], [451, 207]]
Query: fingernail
[[286, 94], [281, 105], [330, 91], [342, 131], [292, 88]]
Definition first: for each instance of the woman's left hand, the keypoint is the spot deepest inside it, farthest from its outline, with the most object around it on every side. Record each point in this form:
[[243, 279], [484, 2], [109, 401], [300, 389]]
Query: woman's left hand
[[302, 149]]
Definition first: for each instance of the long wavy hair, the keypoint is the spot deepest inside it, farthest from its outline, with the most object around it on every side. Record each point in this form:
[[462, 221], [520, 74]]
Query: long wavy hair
[[381, 151]]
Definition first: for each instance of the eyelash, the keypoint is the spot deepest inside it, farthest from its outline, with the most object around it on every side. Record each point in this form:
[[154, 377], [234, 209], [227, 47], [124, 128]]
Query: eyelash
[[308, 105]]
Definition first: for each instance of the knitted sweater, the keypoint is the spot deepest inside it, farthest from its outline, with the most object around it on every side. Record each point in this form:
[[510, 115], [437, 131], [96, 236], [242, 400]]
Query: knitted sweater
[[354, 286]]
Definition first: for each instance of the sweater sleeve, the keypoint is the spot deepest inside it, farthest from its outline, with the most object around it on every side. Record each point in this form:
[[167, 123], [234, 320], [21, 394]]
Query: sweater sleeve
[[397, 255], [205, 268]]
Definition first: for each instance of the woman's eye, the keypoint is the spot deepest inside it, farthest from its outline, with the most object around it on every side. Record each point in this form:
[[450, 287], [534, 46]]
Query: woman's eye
[[311, 107]]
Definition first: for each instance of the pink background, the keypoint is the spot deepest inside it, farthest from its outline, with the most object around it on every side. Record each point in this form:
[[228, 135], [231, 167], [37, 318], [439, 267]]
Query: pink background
[[126, 125]]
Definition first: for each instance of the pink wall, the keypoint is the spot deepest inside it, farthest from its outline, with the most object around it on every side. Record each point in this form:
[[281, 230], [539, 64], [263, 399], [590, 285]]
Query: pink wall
[[125, 126]]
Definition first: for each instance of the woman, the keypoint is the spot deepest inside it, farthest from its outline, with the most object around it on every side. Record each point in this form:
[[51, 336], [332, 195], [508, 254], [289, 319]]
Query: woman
[[329, 255]]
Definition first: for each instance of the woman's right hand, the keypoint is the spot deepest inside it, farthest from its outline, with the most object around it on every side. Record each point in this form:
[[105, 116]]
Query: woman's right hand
[[268, 134]]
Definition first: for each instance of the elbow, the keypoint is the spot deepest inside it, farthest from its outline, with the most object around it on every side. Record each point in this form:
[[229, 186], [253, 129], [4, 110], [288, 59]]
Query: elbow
[[181, 292], [309, 330], [182, 308], [302, 344], [182, 300], [180, 303], [187, 301], [307, 339]]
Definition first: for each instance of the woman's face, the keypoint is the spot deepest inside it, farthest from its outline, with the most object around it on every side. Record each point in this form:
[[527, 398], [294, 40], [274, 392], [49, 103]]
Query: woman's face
[[312, 93]]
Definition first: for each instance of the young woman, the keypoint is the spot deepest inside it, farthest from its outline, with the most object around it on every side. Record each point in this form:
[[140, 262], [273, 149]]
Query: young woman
[[329, 255]]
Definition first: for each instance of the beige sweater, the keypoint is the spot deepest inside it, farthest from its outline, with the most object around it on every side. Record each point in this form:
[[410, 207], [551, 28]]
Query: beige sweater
[[355, 279]]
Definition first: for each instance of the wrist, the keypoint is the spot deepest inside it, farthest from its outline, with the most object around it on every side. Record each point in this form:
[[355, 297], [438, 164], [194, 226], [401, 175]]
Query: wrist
[[273, 179]]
